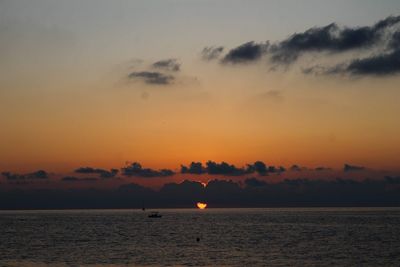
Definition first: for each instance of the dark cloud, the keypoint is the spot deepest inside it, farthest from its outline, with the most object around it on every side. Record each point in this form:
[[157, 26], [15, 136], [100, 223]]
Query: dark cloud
[[227, 169], [151, 77], [223, 168], [101, 172], [40, 174], [258, 167], [288, 50], [12, 176], [332, 38], [186, 187], [379, 43], [37, 175], [135, 169], [388, 22], [194, 168], [377, 65], [392, 180], [167, 65], [212, 167], [247, 52], [76, 179], [348, 167], [254, 182], [135, 194], [211, 52], [395, 42], [323, 168], [382, 38], [297, 168], [217, 193], [329, 38], [384, 64], [182, 194], [262, 169]]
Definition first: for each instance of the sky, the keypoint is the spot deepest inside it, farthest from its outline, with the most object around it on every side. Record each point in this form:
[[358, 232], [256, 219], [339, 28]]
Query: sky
[[164, 83]]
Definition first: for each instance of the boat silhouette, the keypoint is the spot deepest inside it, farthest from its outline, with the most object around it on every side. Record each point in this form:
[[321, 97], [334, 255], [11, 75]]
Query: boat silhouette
[[155, 214]]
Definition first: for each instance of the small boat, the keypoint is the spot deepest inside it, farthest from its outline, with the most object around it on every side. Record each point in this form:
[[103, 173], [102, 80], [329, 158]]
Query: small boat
[[155, 214]]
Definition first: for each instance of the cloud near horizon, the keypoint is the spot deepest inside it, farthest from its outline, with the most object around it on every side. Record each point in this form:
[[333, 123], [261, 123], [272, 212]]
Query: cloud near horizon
[[217, 193], [227, 169], [349, 168], [77, 179], [102, 173], [37, 175], [136, 169]]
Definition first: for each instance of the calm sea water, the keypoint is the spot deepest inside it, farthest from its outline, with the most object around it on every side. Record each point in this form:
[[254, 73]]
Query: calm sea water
[[228, 237]]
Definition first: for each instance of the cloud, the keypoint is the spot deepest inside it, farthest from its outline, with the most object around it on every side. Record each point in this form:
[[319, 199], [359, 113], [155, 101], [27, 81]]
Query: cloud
[[377, 47], [395, 42], [40, 174], [135, 169], [383, 64], [133, 189], [262, 169], [211, 52], [348, 168], [158, 73], [332, 38], [254, 182], [167, 65], [76, 179], [151, 77], [217, 193], [392, 180], [177, 194], [37, 175], [258, 167], [223, 168], [227, 169], [245, 53], [297, 168], [321, 168], [212, 167], [377, 65], [222, 186], [103, 173], [11, 176], [194, 168], [329, 38]]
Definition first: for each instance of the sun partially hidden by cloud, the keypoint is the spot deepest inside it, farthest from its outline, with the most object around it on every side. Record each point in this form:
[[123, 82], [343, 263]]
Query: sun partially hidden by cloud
[[201, 205]]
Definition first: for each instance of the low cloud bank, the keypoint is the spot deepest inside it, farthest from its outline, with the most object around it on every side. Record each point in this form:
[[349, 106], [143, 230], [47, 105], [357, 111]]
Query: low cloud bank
[[253, 192]]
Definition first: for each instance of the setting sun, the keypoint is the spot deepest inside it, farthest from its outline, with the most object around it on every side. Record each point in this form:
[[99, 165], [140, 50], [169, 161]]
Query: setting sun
[[201, 205]]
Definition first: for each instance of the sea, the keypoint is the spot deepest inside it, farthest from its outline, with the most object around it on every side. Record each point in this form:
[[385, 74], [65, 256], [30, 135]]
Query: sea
[[210, 237]]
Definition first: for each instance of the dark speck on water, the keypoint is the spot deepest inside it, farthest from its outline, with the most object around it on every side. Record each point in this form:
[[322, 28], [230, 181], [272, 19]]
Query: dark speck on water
[[229, 237]]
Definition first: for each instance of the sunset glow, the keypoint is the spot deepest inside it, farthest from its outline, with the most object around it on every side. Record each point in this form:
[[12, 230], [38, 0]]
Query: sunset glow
[[187, 96], [253, 127], [201, 205]]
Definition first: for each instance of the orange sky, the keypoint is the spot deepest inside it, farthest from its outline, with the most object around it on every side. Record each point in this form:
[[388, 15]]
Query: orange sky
[[66, 101]]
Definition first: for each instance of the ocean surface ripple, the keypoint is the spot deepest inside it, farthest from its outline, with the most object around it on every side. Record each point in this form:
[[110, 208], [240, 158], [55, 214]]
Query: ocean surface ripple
[[227, 237]]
